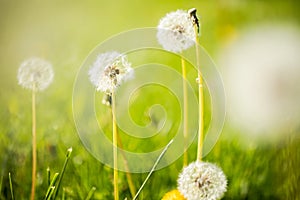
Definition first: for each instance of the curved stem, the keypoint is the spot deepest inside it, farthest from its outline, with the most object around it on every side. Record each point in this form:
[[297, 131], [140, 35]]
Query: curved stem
[[33, 146], [185, 112], [128, 174], [115, 147]]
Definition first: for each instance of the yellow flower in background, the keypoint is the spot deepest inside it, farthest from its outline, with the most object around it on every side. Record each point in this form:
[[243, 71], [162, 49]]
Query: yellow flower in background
[[173, 195]]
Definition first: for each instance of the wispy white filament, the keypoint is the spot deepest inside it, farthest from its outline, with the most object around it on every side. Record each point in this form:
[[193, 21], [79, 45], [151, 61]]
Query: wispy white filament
[[109, 70], [35, 74], [202, 180], [176, 31]]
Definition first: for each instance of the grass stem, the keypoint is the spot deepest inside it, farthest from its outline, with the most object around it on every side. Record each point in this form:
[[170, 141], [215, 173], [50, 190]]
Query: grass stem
[[68, 155], [153, 168], [11, 186], [91, 193]]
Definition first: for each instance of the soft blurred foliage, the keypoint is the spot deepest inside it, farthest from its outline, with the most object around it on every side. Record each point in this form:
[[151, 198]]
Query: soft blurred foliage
[[64, 32]]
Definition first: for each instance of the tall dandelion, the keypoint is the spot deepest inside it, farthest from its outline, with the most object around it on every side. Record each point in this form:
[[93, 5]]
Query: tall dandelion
[[202, 180], [36, 75], [176, 34], [107, 73], [196, 26]]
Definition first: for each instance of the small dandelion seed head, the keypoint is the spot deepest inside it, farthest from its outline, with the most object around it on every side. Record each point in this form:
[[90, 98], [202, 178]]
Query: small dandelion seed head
[[35, 74], [173, 195], [176, 32], [109, 70], [202, 180]]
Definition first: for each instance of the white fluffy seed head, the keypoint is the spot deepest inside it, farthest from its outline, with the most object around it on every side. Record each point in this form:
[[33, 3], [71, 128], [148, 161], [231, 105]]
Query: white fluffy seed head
[[109, 70], [35, 74], [176, 32], [202, 180]]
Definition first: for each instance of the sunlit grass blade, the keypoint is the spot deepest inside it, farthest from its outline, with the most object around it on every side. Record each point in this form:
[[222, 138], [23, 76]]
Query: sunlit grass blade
[[11, 186], [91, 193], [51, 191], [51, 185], [48, 176], [153, 168], [68, 155]]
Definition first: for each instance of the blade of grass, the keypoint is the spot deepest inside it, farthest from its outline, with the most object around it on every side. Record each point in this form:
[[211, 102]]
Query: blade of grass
[[11, 186], [51, 185], [68, 155], [51, 191], [153, 168], [91, 193], [48, 176], [63, 197], [1, 182]]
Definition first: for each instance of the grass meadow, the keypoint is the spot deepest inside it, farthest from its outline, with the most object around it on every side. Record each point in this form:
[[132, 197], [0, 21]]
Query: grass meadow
[[64, 33]]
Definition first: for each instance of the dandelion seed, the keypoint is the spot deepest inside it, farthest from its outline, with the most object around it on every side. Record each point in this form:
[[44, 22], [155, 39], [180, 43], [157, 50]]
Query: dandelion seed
[[173, 195], [109, 71], [35, 74], [176, 31], [202, 180]]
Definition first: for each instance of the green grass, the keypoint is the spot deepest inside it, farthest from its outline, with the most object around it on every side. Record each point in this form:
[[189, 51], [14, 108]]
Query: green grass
[[64, 33]]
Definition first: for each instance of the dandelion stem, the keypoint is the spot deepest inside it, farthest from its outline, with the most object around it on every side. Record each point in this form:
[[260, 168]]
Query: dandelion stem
[[115, 146], [200, 88], [33, 145], [185, 112], [128, 174], [153, 168], [11, 186]]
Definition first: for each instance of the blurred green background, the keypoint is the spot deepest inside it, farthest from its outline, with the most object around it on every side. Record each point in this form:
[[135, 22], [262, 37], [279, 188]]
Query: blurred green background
[[64, 32]]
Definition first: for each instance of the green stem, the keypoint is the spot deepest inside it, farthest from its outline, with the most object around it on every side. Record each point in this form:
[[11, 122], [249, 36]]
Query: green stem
[[201, 99], [33, 178], [51, 186], [91, 193], [11, 186], [153, 168], [48, 176], [68, 155], [185, 112], [128, 174], [115, 147]]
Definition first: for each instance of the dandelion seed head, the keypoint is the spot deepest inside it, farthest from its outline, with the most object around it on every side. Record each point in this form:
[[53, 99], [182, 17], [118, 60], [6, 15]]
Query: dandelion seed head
[[176, 31], [202, 180], [173, 195], [109, 70], [35, 74]]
